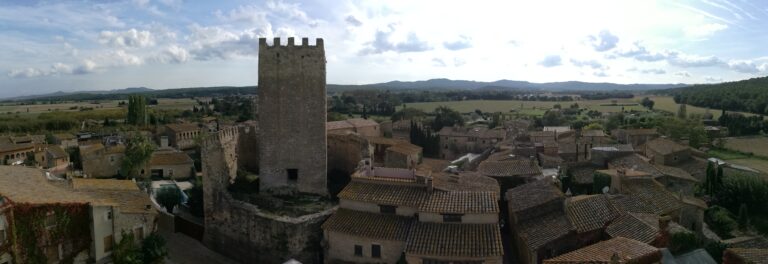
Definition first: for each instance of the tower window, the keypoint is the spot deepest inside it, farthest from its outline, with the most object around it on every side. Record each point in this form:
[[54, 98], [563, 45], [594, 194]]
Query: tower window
[[293, 174]]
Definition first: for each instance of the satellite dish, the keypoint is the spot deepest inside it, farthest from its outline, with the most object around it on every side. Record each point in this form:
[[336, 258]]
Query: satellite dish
[[606, 189]]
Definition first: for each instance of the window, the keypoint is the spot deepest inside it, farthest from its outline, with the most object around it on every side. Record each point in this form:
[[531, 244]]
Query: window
[[109, 215], [108, 243], [293, 174], [387, 209], [50, 220], [452, 218], [358, 250], [170, 172], [375, 251]]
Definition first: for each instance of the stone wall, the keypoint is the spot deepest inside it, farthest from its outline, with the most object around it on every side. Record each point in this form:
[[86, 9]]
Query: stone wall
[[248, 157], [346, 151], [240, 230], [292, 114], [341, 248], [102, 165]]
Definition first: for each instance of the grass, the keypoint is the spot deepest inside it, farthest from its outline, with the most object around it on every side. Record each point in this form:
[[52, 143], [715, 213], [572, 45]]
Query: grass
[[727, 154], [757, 145], [36, 109]]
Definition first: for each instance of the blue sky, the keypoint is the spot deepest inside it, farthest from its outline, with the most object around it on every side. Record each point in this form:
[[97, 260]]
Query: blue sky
[[101, 45]]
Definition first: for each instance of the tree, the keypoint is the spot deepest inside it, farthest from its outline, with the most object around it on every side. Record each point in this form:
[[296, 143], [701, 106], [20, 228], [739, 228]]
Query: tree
[[137, 154], [408, 114], [743, 217], [445, 116], [593, 126], [137, 110], [682, 113], [709, 181], [127, 250], [168, 197], [195, 201], [153, 249], [647, 103]]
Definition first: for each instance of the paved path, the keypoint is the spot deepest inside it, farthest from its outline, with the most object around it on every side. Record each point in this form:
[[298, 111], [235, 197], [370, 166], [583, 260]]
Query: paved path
[[186, 250]]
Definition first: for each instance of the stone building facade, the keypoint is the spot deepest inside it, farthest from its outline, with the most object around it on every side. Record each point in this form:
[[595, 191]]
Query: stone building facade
[[292, 114], [101, 161]]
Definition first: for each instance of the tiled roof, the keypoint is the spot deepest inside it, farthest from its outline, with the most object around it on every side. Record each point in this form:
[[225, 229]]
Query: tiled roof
[[361, 122], [135, 202], [405, 148], [90, 149], [455, 240], [542, 134], [583, 173], [544, 229], [628, 250], [184, 127], [370, 225], [630, 226], [160, 158], [384, 194], [28, 185], [747, 242], [651, 192], [103, 184], [385, 141], [749, 255], [641, 132], [9, 147], [627, 203], [57, 152], [461, 202], [64, 136], [675, 172], [593, 133], [664, 146], [493, 133], [508, 168], [532, 194], [465, 181], [634, 162], [590, 213]]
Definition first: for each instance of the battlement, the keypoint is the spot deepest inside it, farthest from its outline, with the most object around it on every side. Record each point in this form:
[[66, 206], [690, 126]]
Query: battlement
[[304, 43], [223, 135]]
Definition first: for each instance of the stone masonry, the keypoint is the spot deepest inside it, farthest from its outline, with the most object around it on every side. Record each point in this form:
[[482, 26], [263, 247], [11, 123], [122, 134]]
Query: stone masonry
[[292, 114]]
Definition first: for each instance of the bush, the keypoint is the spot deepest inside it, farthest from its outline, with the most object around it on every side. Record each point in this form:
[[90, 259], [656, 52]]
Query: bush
[[683, 242], [127, 251], [168, 198], [721, 221], [153, 249]]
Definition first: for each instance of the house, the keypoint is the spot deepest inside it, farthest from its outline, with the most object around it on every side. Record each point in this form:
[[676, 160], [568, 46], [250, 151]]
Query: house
[[388, 215], [55, 159], [403, 156], [541, 136], [635, 137], [182, 136], [510, 173], [98, 210], [401, 129], [100, 161], [745, 256], [65, 140], [590, 215], [169, 164], [666, 152], [15, 153], [456, 141], [594, 136], [615, 250], [364, 127]]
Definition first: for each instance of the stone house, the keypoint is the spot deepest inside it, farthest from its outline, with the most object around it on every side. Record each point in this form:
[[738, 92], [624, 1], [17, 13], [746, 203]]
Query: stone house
[[55, 159], [391, 214], [666, 152], [541, 136], [401, 129], [456, 141], [169, 164], [510, 173], [364, 127], [15, 153], [594, 137], [405, 156], [107, 206], [100, 161], [65, 140], [182, 136], [615, 250], [635, 137]]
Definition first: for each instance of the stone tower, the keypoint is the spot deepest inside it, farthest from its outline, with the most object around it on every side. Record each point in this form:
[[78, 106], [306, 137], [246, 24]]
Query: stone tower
[[292, 112]]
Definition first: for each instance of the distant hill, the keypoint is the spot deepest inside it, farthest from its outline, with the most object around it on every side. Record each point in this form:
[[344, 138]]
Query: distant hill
[[130, 90], [746, 95], [121, 94], [553, 86]]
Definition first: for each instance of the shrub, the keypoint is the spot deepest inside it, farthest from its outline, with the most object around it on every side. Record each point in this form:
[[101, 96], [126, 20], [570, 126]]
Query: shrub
[[153, 249], [721, 221], [168, 198]]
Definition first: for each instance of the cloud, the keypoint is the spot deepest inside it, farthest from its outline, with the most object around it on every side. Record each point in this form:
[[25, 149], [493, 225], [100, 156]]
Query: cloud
[[131, 38], [463, 42], [684, 60], [713, 79], [353, 21], [243, 13], [683, 74], [438, 62], [458, 62], [208, 43], [745, 66], [25, 73], [604, 41], [56, 69], [587, 63], [639, 52], [381, 44], [551, 61], [173, 54], [292, 11], [653, 71], [703, 31], [600, 73]]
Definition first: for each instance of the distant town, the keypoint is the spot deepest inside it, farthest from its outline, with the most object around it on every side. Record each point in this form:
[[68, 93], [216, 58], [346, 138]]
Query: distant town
[[294, 170]]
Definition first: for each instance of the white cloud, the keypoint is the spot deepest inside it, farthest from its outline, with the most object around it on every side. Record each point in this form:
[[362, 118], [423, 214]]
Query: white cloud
[[703, 31], [173, 54], [653, 71], [244, 13], [382, 43], [713, 79], [551, 61], [131, 38], [604, 41], [683, 73], [438, 62], [25, 73], [745, 66], [292, 11], [352, 20], [587, 63], [464, 42]]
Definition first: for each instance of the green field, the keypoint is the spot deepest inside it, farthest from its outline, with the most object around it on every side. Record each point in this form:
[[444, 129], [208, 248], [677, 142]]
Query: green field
[[665, 103], [33, 109], [758, 145], [749, 151]]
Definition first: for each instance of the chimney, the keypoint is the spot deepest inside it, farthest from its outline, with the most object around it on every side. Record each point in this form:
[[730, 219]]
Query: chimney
[[662, 239]]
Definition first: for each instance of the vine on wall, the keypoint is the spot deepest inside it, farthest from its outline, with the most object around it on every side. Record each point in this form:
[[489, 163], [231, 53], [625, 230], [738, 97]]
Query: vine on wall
[[70, 227]]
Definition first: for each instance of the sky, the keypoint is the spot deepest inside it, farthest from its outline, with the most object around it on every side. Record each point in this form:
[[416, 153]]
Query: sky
[[48, 46]]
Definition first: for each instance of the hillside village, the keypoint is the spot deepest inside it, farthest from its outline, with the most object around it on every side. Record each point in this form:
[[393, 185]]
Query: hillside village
[[285, 184]]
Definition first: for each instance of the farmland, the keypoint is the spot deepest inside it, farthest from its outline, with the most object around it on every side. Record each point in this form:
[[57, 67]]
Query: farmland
[[40, 107]]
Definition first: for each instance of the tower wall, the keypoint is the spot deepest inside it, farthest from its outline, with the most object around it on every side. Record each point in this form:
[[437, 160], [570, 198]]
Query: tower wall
[[292, 116]]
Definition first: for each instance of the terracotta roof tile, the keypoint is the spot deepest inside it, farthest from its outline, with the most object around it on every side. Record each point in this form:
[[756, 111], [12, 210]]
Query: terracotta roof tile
[[9, 147], [455, 240], [593, 133], [28, 185], [532, 194], [160, 158], [405, 148], [749, 255], [64, 136], [630, 226], [384, 194], [508, 168], [184, 127], [57, 152], [465, 181], [651, 192], [665, 146], [583, 173], [461, 203], [590, 213], [370, 225], [103, 184], [641, 131], [544, 229], [628, 250]]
